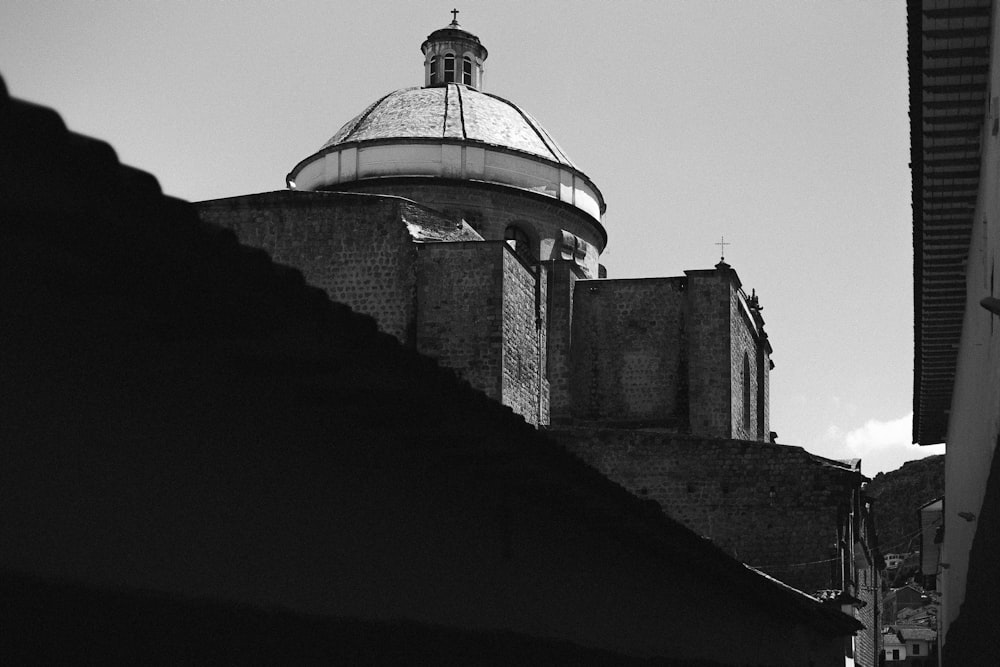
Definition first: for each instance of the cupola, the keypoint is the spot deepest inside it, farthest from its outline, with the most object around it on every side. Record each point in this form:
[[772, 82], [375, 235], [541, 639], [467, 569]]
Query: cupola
[[453, 55], [469, 154]]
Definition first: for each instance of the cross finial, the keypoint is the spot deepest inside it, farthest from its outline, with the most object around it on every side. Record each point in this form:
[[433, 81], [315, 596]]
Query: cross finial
[[722, 248], [454, 17]]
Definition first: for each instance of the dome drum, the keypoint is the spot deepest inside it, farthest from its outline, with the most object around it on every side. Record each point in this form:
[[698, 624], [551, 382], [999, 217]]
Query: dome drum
[[445, 159], [556, 231]]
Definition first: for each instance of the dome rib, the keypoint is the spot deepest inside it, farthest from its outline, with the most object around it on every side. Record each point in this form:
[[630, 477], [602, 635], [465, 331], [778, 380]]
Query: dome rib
[[444, 121], [557, 153], [551, 143], [461, 111], [343, 132], [453, 123]]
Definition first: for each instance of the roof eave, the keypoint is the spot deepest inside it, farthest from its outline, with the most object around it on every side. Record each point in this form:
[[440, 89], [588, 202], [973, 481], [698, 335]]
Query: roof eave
[[948, 56]]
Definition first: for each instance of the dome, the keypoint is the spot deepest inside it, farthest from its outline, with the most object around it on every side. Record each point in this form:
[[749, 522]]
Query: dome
[[449, 131], [452, 112], [469, 154]]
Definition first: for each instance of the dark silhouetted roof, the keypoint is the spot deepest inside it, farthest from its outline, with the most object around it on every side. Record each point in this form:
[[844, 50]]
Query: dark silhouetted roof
[[194, 281]]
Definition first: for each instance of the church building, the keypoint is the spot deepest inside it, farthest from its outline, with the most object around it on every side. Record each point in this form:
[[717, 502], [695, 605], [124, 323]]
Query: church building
[[454, 218]]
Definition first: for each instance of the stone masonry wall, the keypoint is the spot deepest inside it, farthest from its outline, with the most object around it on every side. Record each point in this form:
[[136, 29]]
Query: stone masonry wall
[[561, 280], [356, 247], [459, 310], [743, 348], [772, 506], [710, 387], [524, 387], [745, 345], [628, 354], [766, 373], [490, 209]]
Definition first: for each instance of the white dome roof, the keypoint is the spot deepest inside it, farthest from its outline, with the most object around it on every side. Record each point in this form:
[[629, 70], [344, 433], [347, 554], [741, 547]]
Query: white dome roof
[[448, 131]]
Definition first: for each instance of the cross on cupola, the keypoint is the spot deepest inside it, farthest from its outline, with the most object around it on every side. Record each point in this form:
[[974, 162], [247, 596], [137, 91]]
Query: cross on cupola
[[722, 248], [453, 55]]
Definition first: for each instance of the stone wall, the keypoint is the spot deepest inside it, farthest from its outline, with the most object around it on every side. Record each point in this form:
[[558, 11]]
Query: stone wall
[[481, 310], [765, 372], [743, 369], [629, 365], [459, 312], [680, 353], [491, 209], [561, 279], [355, 247], [665, 352], [748, 353], [523, 385], [708, 332], [772, 506]]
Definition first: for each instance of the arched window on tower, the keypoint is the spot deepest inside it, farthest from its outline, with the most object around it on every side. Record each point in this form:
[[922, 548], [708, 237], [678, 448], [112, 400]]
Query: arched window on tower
[[435, 79], [746, 391], [467, 70], [449, 68], [519, 242]]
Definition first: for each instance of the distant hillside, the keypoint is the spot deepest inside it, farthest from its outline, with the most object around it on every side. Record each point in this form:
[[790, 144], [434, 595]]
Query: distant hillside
[[898, 495]]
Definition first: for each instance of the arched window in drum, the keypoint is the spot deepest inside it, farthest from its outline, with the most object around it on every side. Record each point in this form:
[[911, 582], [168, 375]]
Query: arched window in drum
[[467, 70], [520, 242], [449, 68], [435, 78]]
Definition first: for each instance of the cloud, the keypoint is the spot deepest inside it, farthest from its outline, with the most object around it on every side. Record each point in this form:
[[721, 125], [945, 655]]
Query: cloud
[[880, 434], [884, 445]]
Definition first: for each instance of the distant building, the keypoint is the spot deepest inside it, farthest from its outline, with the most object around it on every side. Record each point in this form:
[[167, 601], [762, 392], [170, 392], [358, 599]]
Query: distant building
[[898, 599], [895, 649], [894, 560], [910, 646], [921, 644]]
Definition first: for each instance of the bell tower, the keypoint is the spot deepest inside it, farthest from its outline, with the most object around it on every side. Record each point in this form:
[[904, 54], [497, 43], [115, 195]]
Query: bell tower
[[453, 55]]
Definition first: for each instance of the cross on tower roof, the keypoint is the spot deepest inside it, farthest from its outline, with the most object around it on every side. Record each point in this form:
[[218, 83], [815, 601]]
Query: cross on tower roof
[[722, 248], [454, 17]]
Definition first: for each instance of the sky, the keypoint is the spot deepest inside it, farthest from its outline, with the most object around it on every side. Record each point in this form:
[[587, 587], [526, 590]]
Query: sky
[[781, 126]]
